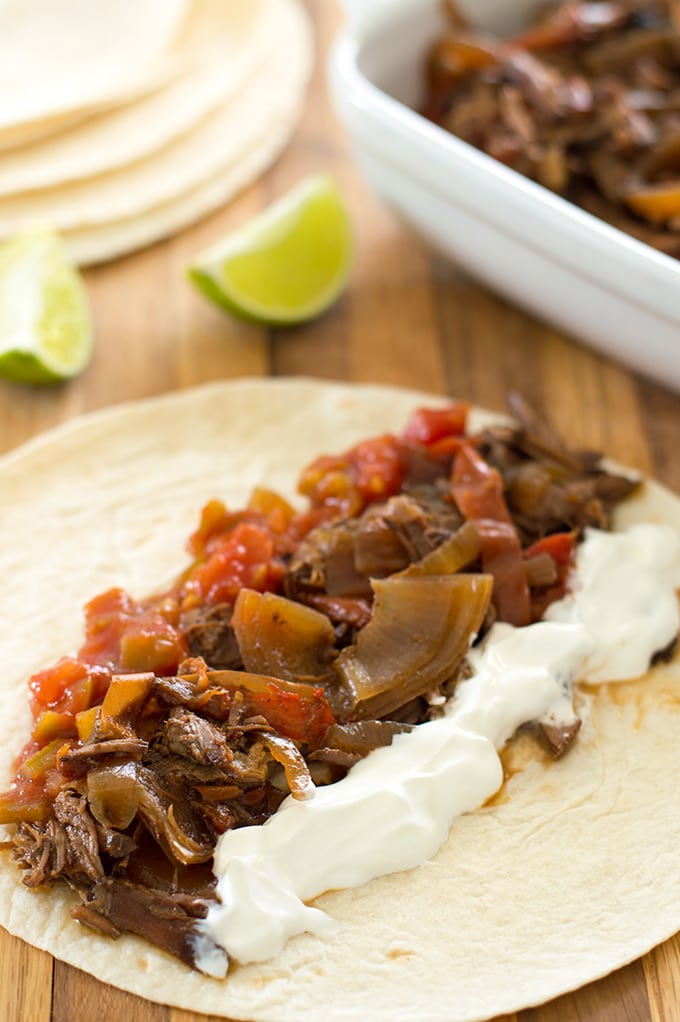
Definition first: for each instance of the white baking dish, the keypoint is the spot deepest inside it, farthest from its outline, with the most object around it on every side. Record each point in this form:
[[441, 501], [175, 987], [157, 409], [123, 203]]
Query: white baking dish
[[556, 260]]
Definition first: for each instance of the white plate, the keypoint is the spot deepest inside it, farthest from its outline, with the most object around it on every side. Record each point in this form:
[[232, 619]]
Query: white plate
[[542, 252]]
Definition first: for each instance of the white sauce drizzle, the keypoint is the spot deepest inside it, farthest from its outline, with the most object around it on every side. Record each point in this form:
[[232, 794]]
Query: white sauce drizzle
[[395, 808]]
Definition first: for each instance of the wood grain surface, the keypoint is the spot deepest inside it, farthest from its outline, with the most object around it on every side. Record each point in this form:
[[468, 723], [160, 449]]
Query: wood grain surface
[[407, 318]]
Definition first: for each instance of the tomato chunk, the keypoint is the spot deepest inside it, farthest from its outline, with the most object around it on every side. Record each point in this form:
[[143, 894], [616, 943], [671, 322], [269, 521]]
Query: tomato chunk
[[48, 688], [298, 711], [302, 718], [428, 425], [67, 688], [215, 520], [370, 471], [124, 635], [559, 546], [244, 557]]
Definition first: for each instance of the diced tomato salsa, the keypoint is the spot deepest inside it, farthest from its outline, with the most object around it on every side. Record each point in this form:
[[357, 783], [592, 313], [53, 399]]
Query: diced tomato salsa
[[231, 550], [304, 718], [370, 471], [429, 426], [242, 557]]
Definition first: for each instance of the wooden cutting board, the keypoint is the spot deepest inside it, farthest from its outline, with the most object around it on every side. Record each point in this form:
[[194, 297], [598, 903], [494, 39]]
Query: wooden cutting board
[[407, 318]]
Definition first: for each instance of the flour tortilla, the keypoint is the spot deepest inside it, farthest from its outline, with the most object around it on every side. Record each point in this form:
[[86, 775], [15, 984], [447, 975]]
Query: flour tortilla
[[109, 241], [62, 61], [573, 873], [117, 212], [211, 145], [220, 47]]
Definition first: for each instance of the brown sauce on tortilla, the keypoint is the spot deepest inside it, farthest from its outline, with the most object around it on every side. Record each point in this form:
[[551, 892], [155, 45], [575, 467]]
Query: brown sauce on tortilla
[[521, 752]]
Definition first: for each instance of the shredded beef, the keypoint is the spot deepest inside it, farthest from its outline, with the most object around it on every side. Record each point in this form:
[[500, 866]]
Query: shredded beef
[[585, 102], [210, 636], [89, 754], [560, 738], [192, 737], [40, 849], [339, 560], [71, 811], [64, 844], [549, 487], [167, 920]]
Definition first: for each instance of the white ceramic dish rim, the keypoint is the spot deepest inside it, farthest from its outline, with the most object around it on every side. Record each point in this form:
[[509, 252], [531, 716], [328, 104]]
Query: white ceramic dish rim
[[617, 262]]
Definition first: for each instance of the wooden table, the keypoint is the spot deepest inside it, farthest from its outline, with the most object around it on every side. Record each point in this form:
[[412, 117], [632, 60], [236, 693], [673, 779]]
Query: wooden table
[[407, 318]]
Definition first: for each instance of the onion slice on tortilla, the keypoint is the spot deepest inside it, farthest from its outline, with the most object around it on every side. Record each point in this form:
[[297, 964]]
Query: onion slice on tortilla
[[282, 638], [419, 633]]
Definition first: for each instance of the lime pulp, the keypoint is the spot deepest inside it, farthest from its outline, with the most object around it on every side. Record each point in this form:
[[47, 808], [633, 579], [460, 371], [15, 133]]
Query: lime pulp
[[287, 265], [45, 323]]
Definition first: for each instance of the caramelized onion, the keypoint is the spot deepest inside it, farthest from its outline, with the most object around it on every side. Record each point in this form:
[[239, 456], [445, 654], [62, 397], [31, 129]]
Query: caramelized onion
[[379, 548], [362, 736], [451, 556], [117, 794], [169, 817], [419, 633], [283, 639], [112, 795], [296, 770]]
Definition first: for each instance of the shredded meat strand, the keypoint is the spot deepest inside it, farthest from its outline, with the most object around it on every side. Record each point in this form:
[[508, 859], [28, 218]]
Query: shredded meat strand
[[586, 102]]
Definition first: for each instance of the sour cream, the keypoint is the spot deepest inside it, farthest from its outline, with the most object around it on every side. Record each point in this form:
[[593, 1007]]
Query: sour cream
[[624, 594], [395, 808]]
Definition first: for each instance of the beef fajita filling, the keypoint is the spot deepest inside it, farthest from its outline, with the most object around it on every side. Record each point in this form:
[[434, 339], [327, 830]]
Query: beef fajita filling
[[585, 101], [294, 644]]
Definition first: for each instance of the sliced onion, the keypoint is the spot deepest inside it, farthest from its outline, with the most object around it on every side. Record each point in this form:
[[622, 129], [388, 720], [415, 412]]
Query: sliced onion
[[296, 770], [451, 556], [117, 794], [419, 633], [282, 638], [362, 736], [169, 817], [112, 795]]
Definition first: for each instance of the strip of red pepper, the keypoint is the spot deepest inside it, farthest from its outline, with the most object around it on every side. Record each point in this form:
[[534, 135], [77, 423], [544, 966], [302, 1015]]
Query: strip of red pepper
[[478, 491]]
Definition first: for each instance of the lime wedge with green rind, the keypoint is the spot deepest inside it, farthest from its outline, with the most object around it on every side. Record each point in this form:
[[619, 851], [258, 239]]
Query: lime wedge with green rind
[[45, 322], [287, 265]]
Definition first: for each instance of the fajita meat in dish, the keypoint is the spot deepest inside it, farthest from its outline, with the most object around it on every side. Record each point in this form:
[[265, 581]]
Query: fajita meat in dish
[[584, 101], [298, 641]]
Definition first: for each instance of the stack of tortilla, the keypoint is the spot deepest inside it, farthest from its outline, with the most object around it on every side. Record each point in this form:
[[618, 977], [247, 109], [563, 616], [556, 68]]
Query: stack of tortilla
[[122, 122]]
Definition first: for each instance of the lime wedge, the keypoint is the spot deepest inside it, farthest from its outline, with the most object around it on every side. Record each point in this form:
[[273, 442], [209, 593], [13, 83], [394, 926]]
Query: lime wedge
[[45, 326], [288, 264]]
